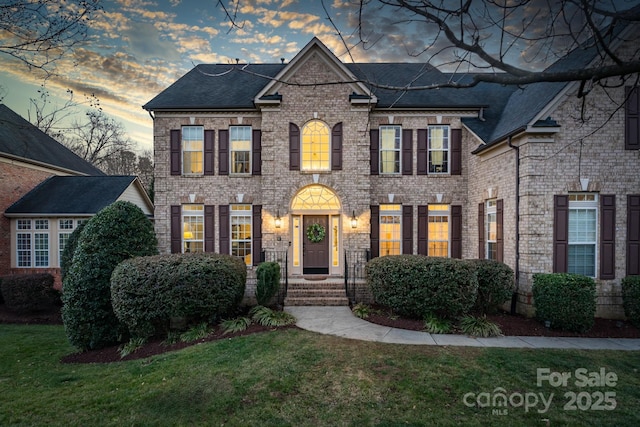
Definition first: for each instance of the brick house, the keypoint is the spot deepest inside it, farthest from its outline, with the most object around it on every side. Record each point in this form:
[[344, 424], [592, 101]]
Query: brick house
[[45, 192], [306, 163]]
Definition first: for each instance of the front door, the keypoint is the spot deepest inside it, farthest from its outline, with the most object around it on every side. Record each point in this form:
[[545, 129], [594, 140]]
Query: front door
[[315, 252]]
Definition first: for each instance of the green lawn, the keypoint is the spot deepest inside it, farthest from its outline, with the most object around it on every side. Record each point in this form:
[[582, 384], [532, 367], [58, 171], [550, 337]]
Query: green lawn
[[297, 378]]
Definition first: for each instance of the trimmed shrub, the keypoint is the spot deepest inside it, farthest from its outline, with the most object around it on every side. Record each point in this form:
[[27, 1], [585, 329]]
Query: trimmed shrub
[[417, 286], [29, 293], [147, 292], [631, 299], [268, 274], [116, 233], [568, 301], [70, 249], [496, 282]]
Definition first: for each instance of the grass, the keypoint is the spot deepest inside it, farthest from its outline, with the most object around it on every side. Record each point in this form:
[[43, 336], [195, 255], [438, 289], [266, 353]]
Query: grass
[[297, 378]]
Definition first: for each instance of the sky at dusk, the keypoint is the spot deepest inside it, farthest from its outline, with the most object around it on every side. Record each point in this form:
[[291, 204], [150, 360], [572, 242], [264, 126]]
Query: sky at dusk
[[136, 48]]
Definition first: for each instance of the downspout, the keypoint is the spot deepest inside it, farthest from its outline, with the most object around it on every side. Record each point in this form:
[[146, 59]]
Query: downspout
[[514, 297]]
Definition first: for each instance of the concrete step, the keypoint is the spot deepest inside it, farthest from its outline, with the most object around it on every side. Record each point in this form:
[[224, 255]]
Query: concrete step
[[315, 293], [326, 301]]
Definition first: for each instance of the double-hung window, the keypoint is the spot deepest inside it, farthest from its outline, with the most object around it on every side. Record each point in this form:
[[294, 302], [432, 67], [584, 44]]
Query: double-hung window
[[438, 143], [583, 234], [192, 150], [390, 230], [65, 228], [240, 148], [241, 221], [492, 229], [32, 243], [192, 228], [390, 145], [438, 231], [315, 146]]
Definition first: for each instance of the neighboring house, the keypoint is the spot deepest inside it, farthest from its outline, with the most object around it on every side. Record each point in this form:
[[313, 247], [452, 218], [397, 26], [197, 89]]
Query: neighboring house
[[45, 191], [248, 158]]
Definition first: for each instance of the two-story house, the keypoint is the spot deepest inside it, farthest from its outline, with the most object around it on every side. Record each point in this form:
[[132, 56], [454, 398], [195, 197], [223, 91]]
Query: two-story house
[[312, 163]]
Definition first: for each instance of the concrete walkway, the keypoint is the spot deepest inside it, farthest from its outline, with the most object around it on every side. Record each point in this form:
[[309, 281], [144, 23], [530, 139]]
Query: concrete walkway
[[341, 322]]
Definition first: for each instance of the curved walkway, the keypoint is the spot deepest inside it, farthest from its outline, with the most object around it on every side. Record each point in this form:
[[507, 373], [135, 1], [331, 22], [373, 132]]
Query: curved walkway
[[341, 322]]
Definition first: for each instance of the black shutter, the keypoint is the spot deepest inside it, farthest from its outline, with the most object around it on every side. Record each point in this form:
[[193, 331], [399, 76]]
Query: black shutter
[[336, 147], [422, 156], [209, 143], [407, 152], [256, 152], [375, 231], [175, 152], [223, 152], [608, 237], [423, 230], [499, 230], [481, 251], [176, 229], [407, 229], [294, 147], [632, 119], [456, 231], [224, 229], [374, 156], [456, 151], [633, 235], [256, 234], [209, 228], [560, 233]]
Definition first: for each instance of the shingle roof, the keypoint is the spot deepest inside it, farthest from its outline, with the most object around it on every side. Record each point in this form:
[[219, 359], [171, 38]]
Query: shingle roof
[[21, 139], [77, 195]]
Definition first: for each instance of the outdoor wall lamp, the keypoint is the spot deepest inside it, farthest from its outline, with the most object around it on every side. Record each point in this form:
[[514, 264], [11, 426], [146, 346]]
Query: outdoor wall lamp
[[278, 220], [354, 220]]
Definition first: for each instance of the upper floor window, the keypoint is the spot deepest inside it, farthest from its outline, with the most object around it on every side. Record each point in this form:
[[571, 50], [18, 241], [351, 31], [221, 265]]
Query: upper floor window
[[241, 221], [316, 147], [32, 243], [390, 230], [192, 228], [192, 150], [438, 146], [240, 148], [390, 145], [583, 231], [438, 231], [492, 229]]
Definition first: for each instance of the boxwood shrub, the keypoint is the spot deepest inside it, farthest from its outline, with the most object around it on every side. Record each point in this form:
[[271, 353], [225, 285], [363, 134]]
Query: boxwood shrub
[[118, 232], [496, 283], [29, 293], [631, 299], [268, 275], [416, 285], [70, 249], [148, 292], [568, 301]]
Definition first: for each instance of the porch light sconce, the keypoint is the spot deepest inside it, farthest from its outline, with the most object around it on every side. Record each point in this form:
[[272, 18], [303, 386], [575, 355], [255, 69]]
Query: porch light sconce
[[278, 220], [354, 220]]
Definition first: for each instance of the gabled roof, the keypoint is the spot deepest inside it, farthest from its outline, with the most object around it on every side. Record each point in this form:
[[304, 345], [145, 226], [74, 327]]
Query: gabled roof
[[20, 140], [75, 196]]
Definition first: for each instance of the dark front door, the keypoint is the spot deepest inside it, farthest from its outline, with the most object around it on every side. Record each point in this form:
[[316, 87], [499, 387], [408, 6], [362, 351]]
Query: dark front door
[[315, 255]]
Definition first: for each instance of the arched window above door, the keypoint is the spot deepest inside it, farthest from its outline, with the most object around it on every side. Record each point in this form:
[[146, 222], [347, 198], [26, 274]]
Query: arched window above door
[[315, 197]]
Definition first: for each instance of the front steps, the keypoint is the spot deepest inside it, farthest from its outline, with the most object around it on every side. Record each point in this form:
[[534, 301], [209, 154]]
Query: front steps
[[327, 291]]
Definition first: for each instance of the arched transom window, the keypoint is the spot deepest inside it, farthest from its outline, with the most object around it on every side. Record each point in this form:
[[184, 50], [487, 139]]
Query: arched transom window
[[315, 146], [315, 197]]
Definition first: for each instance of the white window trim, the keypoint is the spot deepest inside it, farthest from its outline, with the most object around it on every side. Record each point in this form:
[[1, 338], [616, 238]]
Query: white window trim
[[390, 212], [182, 151], [231, 151], [592, 204], [32, 232], [491, 209], [244, 214], [302, 150], [443, 213], [398, 150], [191, 213], [447, 138]]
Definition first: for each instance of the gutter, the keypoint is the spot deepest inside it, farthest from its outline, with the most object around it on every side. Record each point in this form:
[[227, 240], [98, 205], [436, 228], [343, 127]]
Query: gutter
[[514, 297]]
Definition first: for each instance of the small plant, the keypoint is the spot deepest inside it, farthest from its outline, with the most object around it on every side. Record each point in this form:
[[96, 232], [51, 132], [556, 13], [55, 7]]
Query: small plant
[[238, 324], [131, 347], [173, 337], [195, 332], [361, 310], [631, 298], [434, 325], [479, 326], [268, 317]]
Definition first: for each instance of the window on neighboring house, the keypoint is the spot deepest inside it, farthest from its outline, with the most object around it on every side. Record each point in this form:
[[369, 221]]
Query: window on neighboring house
[[492, 229], [240, 147], [192, 150], [438, 232], [192, 228], [438, 146], [390, 229], [32, 243], [583, 226], [241, 219], [316, 146], [390, 145], [65, 229]]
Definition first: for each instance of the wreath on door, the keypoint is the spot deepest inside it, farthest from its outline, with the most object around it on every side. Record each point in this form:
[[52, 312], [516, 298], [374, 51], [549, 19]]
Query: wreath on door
[[316, 233]]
